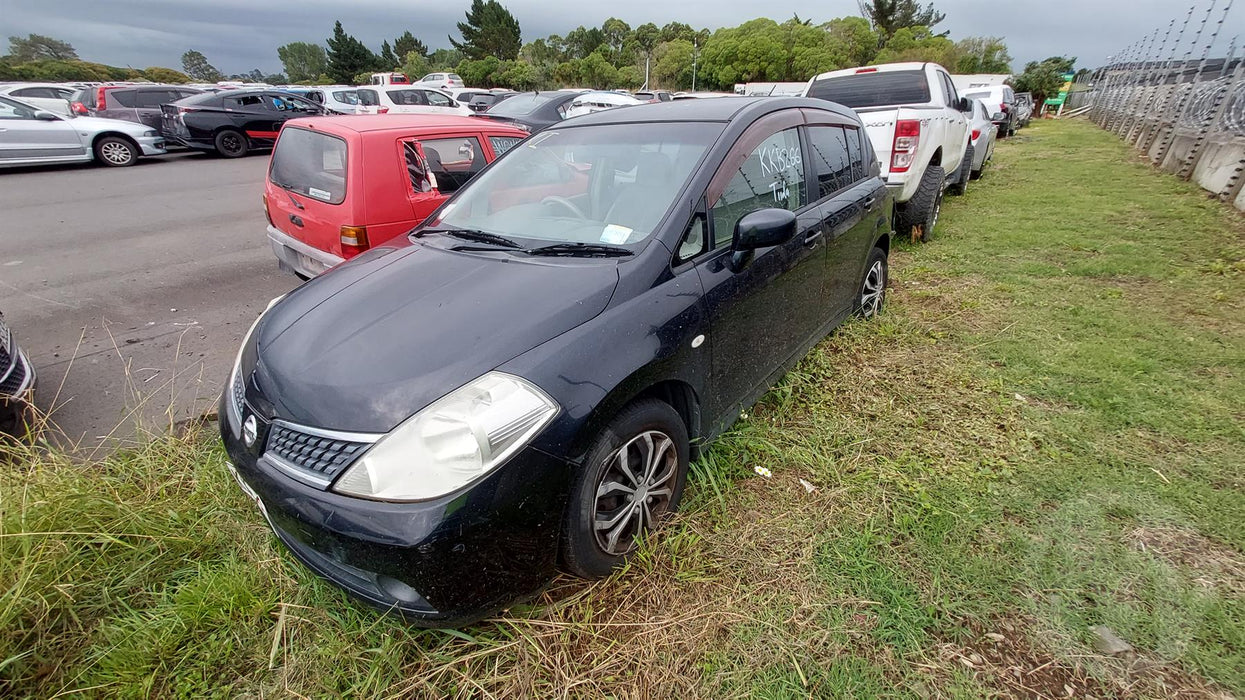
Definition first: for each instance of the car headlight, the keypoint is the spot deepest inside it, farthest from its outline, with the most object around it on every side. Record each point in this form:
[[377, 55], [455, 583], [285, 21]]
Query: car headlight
[[451, 443], [234, 405], [149, 133]]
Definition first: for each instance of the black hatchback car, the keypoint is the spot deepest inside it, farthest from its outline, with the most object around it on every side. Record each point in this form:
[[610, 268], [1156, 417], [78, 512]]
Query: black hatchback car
[[232, 123], [438, 426], [533, 111]]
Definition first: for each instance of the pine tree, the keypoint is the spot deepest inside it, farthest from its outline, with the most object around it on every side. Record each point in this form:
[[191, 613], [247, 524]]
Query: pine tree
[[889, 16], [348, 57], [387, 57], [408, 43], [490, 30]]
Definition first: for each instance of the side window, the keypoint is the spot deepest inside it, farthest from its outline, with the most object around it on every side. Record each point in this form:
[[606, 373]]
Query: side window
[[416, 169], [125, 98], [501, 144], [855, 153], [771, 176], [13, 110], [33, 92], [694, 240], [949, 88], [154, 98], [453, 161], [436, 99], [368, 98], [831, 160], [249, 102], [316, 96]]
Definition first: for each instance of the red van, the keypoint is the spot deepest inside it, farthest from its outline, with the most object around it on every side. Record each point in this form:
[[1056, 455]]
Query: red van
[[340, 185]]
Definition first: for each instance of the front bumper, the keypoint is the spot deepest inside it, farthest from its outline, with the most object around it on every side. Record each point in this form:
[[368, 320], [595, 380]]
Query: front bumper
[[440, 563], [17, 390], [295, 256], [152, 145]]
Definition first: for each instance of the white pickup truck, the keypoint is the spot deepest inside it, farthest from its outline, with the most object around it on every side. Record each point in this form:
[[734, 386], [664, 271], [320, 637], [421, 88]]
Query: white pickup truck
[[918, 125]]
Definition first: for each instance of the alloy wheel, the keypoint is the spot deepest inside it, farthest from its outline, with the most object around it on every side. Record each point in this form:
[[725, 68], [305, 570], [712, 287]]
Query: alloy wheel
[[634, 490], [873, 291], [116, 153]]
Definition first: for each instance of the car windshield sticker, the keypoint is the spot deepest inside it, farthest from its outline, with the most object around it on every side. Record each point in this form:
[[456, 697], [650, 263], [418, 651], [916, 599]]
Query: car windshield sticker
[[615, 234], [319, 194]]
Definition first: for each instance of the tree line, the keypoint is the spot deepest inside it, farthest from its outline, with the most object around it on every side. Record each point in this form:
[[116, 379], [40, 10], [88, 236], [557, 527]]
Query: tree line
[[489, 52]]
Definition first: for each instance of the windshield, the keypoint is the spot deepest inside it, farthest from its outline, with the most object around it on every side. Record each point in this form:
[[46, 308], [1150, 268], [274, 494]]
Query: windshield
[[876, 89], [983, 96], [310, 163], [610, 184]]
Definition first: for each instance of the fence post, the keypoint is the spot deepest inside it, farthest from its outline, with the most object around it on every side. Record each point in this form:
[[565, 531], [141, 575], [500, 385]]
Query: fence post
[[1185, 94]]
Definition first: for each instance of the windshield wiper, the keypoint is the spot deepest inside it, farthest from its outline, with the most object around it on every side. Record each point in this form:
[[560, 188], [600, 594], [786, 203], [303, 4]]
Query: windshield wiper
[[470, 234], [584, 250]]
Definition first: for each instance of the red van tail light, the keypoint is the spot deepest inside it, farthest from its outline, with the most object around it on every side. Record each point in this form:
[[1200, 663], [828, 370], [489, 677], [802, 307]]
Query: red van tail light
[[354, 240], [903, 150], [267, 212]]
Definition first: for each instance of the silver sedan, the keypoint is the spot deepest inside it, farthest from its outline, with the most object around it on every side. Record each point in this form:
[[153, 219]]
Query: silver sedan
[[984, 134], [31, 136]]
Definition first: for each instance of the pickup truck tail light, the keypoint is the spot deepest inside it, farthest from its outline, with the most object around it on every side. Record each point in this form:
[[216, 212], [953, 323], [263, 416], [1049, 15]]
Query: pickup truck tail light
[[907, 138], [354, 240]]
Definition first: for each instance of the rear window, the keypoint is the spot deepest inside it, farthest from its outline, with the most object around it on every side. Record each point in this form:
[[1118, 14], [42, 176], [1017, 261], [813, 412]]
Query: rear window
[[520, 105], [125, 98], [454, 76], [310, 163], [874, 89], [983, 95]]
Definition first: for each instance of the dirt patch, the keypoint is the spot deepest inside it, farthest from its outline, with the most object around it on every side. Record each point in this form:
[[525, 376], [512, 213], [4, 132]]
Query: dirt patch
[[1215, 566], [1004, 655]]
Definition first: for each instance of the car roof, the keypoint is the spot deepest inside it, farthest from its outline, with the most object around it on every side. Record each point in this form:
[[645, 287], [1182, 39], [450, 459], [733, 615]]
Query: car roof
[[879, 68], [722, 109], [366, 123]]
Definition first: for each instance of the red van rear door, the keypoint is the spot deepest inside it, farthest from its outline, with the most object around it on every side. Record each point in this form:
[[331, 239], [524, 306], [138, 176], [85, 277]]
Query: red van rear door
[[308, 194]]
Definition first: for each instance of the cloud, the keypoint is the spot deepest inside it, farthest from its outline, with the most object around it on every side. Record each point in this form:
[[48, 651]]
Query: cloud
[[238, 35]]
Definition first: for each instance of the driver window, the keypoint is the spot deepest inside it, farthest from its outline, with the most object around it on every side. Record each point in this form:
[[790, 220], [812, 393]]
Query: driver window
[[772, 176], [12, 110], [436, 99]]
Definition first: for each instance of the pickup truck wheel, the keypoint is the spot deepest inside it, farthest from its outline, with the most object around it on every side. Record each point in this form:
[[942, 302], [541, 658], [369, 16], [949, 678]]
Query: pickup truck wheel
[[231, 143], [115, 152], [918, 216], [631, 480], [966, 169]]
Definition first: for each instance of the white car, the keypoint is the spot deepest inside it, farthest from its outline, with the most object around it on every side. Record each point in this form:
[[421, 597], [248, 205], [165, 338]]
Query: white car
[[47, 96], [918, 125], [589, 102], [33, 136], [398, 99], [984, 133], [441, 81], [341, 99]]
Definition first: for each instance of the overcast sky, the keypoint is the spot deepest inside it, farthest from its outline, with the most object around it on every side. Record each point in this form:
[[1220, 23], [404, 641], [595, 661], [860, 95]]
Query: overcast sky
[[238, 35]]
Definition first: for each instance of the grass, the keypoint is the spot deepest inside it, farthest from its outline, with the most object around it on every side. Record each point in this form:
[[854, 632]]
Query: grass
[[1042, 434]]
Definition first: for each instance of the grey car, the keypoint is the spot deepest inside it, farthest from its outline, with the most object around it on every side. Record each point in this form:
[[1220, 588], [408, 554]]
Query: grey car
[[133, 103], [32, 136]]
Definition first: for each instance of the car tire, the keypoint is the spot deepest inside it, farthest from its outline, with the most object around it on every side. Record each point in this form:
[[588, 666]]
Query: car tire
[[966, 169], [231, 143], [115, 152], [918, 216], [872, 293], [651, 437]]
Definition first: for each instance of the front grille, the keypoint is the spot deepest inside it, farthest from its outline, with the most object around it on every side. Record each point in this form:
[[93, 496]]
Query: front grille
[[13, 382], [321, 456]]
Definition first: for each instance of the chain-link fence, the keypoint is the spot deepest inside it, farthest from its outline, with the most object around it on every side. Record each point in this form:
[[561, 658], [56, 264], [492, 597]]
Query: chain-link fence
[[1185, 111]]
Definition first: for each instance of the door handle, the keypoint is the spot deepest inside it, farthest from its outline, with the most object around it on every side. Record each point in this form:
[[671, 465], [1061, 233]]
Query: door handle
[[296, 220], [811, 237], [870, 201]]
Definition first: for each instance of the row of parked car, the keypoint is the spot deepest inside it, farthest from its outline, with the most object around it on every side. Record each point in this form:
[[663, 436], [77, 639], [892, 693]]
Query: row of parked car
[[553, 322]]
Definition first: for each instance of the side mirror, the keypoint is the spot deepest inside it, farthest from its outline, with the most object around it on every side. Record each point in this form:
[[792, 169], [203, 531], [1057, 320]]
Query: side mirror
[[965, 105], [46, 116], [998, 117], [760, 229]]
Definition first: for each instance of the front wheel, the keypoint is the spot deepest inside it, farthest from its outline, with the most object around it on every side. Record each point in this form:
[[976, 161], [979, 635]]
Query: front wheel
[[231, 143], [873, 287], [115, 152], [966, 167], [632, 478]]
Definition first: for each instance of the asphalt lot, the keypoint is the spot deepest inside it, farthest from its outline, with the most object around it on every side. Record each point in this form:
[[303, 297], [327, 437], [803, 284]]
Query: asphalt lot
[[130, 288]]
